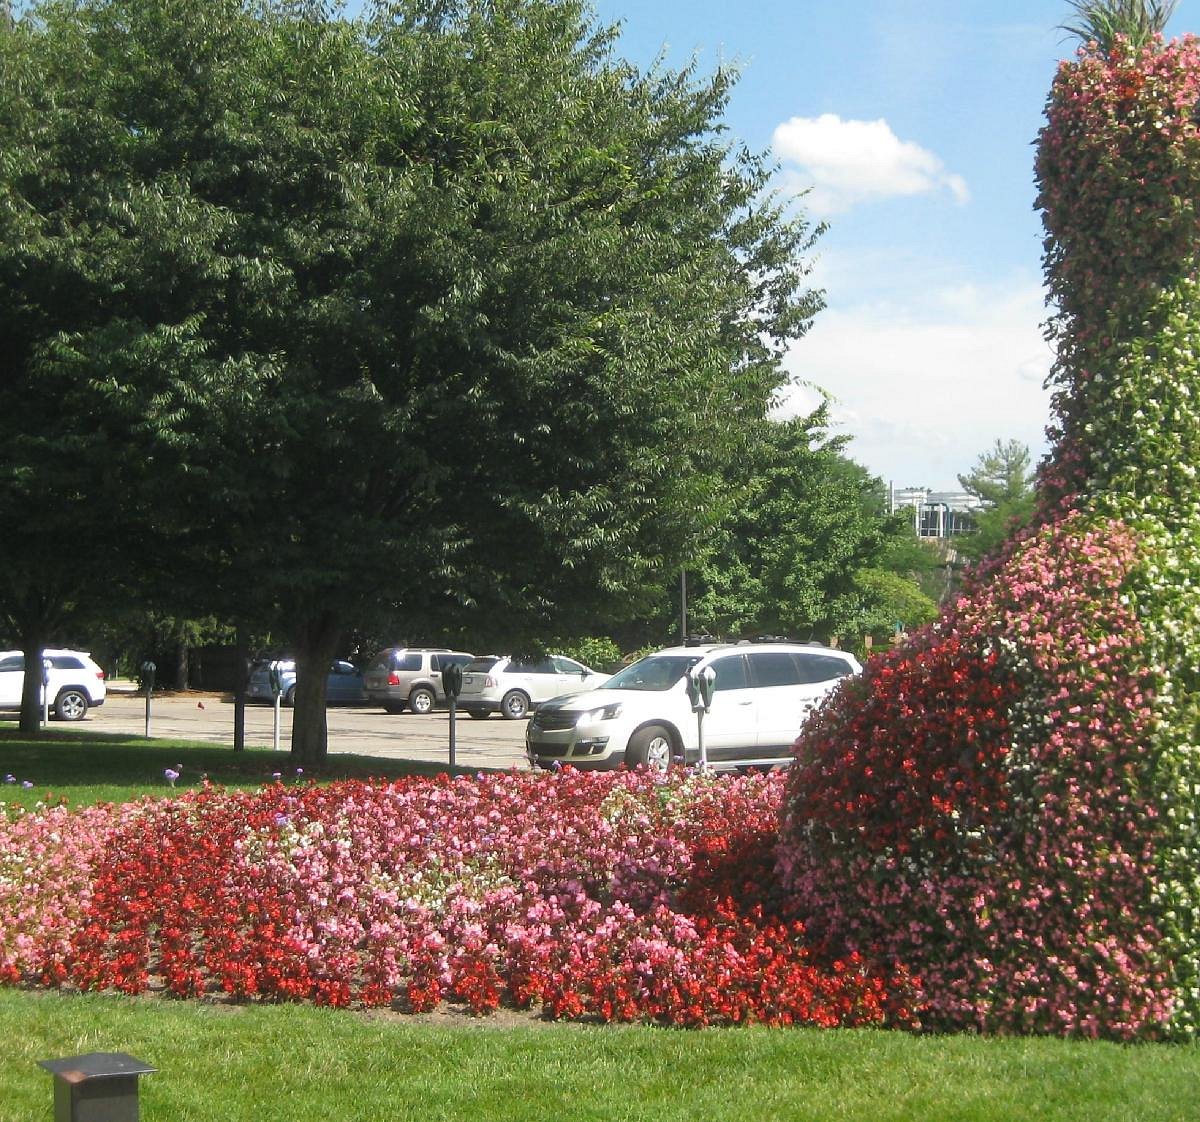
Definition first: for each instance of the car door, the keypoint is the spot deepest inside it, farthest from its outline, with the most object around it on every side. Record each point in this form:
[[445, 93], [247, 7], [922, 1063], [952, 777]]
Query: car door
[[540, 679], [12, 679], [731, 723], [343, 683], [784, 700], [820, 673], [570, 676]]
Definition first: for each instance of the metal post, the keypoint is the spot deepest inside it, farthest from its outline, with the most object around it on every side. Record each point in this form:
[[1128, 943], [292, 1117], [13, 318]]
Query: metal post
[[45, 690], [148, 669], [683, 606], [452, 684], [277, 691]]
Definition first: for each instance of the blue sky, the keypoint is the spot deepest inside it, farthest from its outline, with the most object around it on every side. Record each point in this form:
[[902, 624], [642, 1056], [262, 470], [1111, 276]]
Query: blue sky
[[914, 125]]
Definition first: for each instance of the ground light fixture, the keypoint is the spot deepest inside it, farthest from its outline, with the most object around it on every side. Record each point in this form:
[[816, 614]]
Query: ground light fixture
[[96, 1087]]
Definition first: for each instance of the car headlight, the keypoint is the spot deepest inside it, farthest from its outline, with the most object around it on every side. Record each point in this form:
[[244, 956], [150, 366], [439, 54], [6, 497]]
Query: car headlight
[[606, 713]]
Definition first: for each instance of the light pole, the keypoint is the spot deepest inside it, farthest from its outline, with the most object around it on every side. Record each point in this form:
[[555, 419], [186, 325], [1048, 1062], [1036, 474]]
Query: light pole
[[683, 607]]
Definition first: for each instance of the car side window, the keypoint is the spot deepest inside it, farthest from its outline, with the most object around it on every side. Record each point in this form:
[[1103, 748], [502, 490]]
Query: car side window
[[815, 668], [410, 660], [531, 666], [730, 674], [567, 666], [65, 662], [13, 662], [774, 668]]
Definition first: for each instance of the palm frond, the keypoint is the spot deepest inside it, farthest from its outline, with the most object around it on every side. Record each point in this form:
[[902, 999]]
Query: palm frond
[[1103, 21]]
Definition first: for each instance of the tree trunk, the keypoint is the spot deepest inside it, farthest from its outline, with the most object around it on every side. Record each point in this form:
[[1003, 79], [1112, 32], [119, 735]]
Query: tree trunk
[[31, 693], [181, 666], [316, 646], [241, 668]]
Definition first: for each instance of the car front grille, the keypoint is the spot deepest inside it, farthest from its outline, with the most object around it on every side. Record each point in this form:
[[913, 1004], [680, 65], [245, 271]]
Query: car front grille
[[554, 722]]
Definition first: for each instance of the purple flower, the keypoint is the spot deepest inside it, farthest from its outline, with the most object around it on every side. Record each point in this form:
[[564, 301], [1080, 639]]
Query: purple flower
[[10, 778], [171, 775], [26, 784]]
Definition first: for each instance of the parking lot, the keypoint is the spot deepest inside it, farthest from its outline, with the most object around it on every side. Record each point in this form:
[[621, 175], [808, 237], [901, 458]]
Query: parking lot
[[494, 743]]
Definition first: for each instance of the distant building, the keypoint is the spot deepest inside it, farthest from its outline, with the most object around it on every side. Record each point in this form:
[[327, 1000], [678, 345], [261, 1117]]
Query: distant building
[[936, 514]]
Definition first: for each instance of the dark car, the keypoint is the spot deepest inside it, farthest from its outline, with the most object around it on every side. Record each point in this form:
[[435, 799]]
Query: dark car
[[343, 685]]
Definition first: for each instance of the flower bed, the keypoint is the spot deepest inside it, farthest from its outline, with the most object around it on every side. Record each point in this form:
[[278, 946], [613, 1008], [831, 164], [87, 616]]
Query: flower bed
[[977, 805], [617, 897]]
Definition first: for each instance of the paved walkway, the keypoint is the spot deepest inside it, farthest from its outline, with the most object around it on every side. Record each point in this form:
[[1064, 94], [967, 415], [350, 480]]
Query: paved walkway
[[494, 743]]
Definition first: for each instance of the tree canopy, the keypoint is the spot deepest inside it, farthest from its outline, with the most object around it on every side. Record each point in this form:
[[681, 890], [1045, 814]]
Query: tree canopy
[[1002, 480], [806, 551], [442, 310]]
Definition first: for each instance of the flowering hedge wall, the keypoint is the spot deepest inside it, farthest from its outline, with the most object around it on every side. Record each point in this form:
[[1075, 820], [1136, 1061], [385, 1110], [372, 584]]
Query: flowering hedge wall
[[616, 897], [1007, 806]]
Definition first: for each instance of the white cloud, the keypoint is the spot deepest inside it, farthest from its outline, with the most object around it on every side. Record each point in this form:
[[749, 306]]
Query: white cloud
[[923, 392], [848, 162]]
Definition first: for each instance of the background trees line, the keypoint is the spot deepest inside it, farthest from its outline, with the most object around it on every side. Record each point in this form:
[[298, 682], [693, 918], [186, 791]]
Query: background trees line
[[312, 324]]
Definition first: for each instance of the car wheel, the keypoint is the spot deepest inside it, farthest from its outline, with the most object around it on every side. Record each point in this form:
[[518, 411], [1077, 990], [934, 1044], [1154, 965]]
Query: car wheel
[[421, 700], [393, 707], [71, 705], [515, 705], [650, 747], [289, 697], [480, 714]]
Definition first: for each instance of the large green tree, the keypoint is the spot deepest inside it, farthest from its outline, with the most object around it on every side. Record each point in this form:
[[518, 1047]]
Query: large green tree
[[443, 310]]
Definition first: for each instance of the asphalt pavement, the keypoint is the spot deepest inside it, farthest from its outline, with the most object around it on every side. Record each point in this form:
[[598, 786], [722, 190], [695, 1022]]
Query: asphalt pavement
[[367, 731]]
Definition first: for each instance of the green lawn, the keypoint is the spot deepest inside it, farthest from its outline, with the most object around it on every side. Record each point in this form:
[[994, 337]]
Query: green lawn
[[86, 767], [261, 1063], [293, 1063]]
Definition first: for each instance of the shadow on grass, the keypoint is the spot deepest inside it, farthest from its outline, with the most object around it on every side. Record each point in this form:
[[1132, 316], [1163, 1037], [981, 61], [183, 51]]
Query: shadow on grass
[[85, 767]]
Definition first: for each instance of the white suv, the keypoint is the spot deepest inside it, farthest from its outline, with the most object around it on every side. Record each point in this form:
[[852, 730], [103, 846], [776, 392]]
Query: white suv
[[514, 686], [643, 715], [76, 682]]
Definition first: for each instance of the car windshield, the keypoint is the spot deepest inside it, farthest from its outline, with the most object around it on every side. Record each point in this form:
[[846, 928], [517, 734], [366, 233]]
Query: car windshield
[[653, 673]]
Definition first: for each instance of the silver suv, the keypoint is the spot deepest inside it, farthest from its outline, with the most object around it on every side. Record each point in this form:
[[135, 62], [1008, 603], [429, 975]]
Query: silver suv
[[412, 676]]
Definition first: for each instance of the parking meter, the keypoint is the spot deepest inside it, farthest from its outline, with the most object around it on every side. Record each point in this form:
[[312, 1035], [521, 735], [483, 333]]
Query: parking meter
[[275, 677], [452, 684], [700, 686], [148, 669], [45, 690]]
